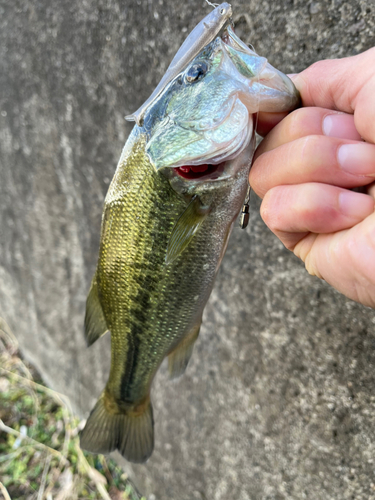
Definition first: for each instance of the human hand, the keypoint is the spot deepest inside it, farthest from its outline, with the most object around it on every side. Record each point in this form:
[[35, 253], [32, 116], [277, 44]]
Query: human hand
[[307, 165]]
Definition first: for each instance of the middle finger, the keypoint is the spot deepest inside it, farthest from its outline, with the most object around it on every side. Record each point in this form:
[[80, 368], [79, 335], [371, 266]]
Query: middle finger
[[315, 158]]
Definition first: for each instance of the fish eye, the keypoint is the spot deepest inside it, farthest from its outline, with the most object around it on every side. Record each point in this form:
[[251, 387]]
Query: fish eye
[[196, 72]]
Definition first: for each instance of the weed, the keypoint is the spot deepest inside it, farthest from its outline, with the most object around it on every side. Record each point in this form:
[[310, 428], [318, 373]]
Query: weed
[[40, 457]]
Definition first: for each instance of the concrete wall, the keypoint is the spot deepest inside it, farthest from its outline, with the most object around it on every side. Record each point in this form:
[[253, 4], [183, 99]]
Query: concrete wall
[[279, 399]]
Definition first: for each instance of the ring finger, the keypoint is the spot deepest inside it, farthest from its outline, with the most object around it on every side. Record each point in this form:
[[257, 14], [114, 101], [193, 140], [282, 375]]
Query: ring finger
[[291, 212]]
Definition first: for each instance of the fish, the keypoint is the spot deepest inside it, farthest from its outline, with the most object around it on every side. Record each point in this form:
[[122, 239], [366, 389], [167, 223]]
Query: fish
[[177, 191]]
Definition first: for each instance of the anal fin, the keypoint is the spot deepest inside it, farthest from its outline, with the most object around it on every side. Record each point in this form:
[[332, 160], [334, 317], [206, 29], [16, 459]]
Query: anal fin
[[179, 358], [95, 323]]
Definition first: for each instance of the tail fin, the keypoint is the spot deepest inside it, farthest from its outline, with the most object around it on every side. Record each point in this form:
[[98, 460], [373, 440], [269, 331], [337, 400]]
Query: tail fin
[[131, 433]]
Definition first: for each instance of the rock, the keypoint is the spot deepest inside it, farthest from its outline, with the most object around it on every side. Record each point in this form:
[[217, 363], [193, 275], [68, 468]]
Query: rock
[[278, 401], [315, 7]]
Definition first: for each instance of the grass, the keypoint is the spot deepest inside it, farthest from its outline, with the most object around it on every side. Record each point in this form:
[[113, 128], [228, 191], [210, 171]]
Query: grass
[[40, 457]]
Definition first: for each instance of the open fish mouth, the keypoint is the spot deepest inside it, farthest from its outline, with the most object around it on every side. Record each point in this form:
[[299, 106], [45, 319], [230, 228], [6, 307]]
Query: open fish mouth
[[204, 171]]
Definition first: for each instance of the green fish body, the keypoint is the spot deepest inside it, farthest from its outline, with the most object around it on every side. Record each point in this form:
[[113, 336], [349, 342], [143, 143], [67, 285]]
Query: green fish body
[[178, 188]]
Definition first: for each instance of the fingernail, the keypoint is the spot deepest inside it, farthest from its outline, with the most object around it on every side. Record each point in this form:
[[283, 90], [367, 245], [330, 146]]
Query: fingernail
[[355, 204], [357, 159], [340, 125]]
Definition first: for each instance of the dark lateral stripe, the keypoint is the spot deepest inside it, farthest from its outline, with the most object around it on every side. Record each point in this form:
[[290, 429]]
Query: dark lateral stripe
[[150, 270], [139, 315], [130, 367]]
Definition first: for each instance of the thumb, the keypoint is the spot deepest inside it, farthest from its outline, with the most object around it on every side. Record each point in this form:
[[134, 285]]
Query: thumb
[[346, 85]]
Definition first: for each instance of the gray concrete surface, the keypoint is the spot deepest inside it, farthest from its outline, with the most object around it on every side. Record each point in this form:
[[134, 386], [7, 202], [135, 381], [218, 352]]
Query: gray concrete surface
[[279, 399]]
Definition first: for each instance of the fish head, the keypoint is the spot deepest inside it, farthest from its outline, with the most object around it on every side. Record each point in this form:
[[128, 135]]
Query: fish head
[[204, 118]]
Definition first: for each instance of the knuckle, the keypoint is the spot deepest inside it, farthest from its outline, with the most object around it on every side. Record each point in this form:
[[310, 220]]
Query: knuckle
[[255, 177], [317, 65], [308, 146], [294, 122], [266, 212], [289, 245], [317, 68], [267, 209]]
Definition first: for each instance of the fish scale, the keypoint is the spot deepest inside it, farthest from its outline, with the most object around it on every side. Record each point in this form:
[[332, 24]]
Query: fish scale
[[133, 272]]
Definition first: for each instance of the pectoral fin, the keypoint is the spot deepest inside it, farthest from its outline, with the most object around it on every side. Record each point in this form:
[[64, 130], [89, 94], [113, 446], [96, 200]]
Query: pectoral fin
[[95, 324], [185, 228], [179, 358]]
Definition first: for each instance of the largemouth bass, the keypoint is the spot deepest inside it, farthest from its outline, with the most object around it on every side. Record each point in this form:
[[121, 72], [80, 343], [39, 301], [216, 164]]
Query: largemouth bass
[[177, 191]]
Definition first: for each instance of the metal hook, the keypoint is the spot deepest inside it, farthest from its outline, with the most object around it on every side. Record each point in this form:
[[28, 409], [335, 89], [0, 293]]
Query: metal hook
[[245, 215]]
